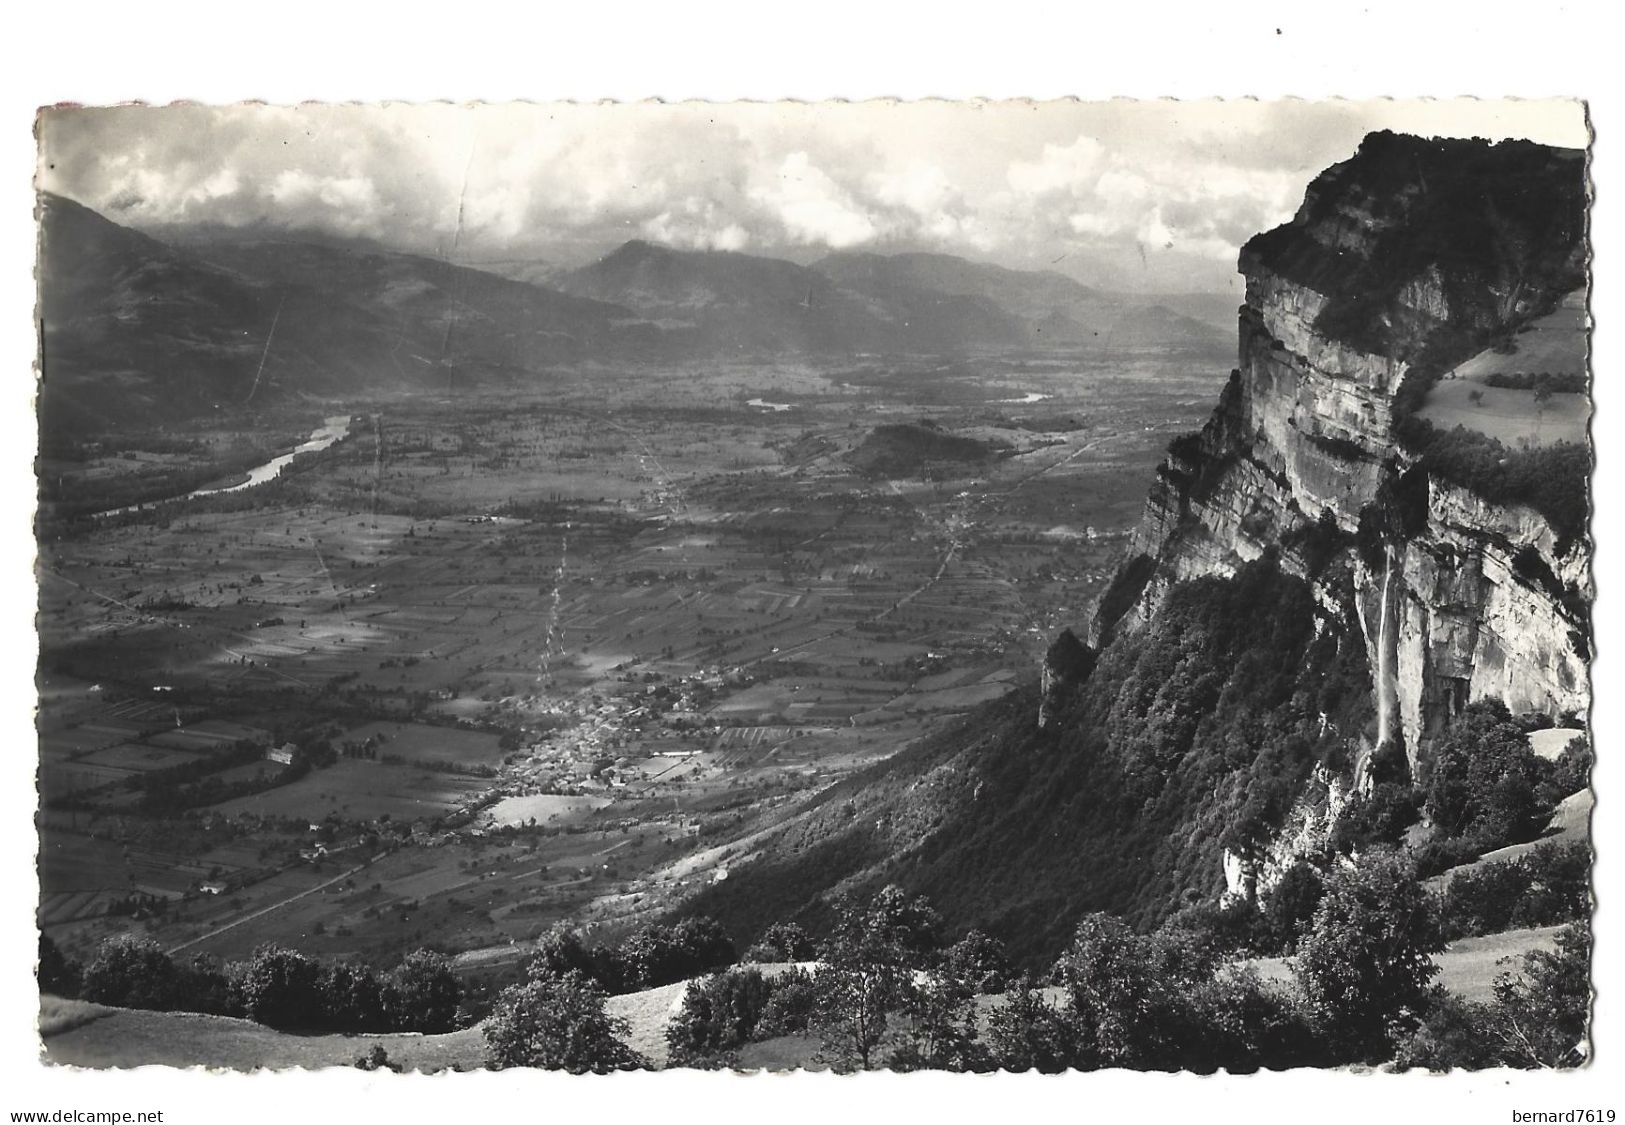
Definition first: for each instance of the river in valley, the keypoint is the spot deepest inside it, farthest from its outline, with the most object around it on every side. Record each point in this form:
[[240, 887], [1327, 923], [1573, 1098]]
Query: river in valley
[[327, 434]]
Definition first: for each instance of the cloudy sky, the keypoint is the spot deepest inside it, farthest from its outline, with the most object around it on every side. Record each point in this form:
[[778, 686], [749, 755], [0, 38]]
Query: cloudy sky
[[1139, 195]]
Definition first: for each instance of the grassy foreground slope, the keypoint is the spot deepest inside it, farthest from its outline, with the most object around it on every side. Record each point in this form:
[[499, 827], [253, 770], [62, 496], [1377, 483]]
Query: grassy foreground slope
[[77, 1033], [1467, 968]]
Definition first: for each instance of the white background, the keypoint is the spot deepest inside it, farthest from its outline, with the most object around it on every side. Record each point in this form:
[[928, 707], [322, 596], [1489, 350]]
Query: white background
[[458, 50]]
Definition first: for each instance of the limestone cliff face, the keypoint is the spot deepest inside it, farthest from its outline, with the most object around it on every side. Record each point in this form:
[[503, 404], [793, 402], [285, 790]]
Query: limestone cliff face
[[1308, 827], [1478, 617], [1406, 258]]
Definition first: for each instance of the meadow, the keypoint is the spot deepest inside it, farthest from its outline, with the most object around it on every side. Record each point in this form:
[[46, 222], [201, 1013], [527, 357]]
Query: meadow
[[1496, 393]]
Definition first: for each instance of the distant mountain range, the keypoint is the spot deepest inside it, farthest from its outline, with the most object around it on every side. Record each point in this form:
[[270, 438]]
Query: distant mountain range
[[134, 328], [873, 302], [211, 318], [718, 301], [1036, 307]]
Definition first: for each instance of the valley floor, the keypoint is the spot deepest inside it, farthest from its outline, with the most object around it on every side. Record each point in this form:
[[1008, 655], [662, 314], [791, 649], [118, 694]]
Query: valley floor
[[567, 658]]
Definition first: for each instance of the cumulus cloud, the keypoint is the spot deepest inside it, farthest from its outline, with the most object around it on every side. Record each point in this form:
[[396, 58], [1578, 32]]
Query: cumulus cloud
[[1061, 168], [1107, 200], [812, 208], [1140, 193], [696, 224]]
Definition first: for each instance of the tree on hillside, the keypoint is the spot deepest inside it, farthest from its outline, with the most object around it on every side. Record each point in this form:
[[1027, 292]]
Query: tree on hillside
[[782, 941], [1544, 1011], [425, 993], [1027, 1032], [1486, 785], [1538, 1019], [940, 1032], [1126, 993], [1367, 959], [1572, 770], [58, 974], [979, 961], [131, 972], [354, 998], [719, 1014], [851, 1015], [1291, 905], [791, 1007], [1452, 1036], [660, 954], [281, 988], [559, 952], [205, 987], [558, 1023], [890, 928], [869, 961]]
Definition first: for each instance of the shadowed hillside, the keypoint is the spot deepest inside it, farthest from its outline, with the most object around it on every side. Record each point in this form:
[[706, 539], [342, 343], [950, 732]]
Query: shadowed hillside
[[131, 324], [1184, 739]]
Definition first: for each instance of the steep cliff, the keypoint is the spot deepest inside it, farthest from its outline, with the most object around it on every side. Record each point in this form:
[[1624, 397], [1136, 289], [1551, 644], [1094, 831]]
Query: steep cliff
[[1320, 578], [1403, 260]]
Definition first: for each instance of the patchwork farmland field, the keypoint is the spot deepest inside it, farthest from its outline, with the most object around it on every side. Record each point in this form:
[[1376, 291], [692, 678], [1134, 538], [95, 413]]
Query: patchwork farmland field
[[493, 660]]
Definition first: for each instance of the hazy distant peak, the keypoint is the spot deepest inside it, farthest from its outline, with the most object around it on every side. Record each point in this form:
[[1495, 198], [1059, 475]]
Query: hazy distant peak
[[634, 248]]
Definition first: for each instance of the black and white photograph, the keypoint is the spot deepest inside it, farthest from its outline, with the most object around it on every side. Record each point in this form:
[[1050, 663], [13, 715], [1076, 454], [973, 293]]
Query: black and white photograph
[[988, 586]]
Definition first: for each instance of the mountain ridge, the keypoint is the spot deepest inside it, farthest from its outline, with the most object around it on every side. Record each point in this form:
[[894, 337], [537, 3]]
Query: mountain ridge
[[727, 299], [137, 328]]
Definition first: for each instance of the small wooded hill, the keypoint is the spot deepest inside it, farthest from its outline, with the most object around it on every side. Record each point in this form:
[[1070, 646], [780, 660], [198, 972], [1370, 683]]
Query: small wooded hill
[[1195, 733], [909, 449]]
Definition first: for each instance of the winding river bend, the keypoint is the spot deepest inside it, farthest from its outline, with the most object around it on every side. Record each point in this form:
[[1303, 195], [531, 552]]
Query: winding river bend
[[327, 434]]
